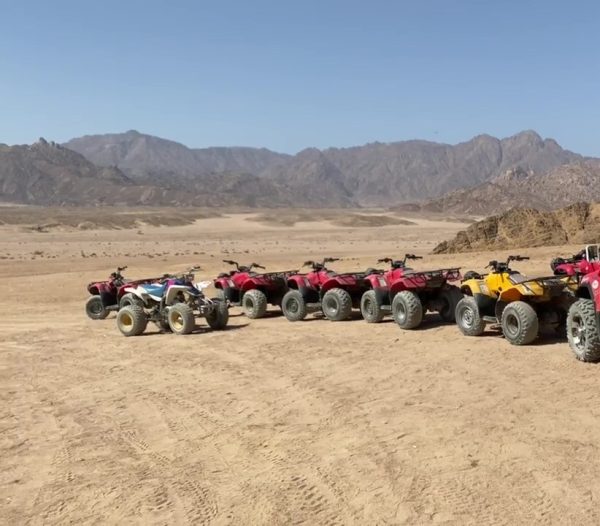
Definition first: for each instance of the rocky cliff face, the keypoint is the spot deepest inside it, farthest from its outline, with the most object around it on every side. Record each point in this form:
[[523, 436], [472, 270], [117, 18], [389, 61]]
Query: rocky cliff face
[[525, 227]]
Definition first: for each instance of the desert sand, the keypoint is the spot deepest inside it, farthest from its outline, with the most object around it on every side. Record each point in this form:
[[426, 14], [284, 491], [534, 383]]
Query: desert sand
[[271, 422]]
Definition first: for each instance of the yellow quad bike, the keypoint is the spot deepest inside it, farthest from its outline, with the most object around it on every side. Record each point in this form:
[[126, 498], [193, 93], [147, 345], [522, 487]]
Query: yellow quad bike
[[517, 303]]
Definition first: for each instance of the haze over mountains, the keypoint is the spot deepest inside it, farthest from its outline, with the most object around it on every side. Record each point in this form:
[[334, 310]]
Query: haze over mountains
[[133, 168]]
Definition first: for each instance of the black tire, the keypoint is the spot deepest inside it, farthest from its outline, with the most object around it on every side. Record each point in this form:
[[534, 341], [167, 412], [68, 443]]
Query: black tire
[[337, 304], [582, 331], [130, 299], [95, 309], [132, 320], [181, 318], [254, 303], [218, 318], [407, 309], [467, 317], [450, 296], [293, 306], [221, 295], [520, 324], [370, 308], [471, 274]]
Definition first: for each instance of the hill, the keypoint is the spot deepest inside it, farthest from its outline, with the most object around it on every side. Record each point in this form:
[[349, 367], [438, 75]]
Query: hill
[[526, 227]]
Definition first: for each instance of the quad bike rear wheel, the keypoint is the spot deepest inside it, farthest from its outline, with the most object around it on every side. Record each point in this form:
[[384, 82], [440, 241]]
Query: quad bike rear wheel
[[95, 309], [218, 318], [370, 308], [467, 317], [181, 318], [337, 304], [254, 303], [407, 309], [130, 299], [582, 331], [450, 297], [132, 320], [520, 324], [293, 306]]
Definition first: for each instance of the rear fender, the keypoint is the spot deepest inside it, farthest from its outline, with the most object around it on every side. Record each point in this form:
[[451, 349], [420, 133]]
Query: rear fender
[[511, 294], [398, 286], [222, 283], [330, 284], [93, 289]]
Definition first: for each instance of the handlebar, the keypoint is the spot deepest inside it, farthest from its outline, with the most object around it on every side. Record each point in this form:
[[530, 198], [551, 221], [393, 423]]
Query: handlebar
[[316, 265], [397, 263], [504, 265], [243, 268]]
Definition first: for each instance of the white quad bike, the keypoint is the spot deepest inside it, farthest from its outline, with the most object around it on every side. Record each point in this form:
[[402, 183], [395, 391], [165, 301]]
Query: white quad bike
[[173, 304]]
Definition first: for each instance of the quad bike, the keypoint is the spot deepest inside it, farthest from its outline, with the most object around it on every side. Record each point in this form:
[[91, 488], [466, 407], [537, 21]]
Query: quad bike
[[322, 290], [108, 295], [407, 294], [517, 303], [173, 304], [250, 290], [583, 317]]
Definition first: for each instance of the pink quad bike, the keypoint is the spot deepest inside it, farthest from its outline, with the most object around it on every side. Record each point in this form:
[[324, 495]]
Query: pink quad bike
[[110, 295], [323, 290], [408, 294], [251, 290], [583, 316]]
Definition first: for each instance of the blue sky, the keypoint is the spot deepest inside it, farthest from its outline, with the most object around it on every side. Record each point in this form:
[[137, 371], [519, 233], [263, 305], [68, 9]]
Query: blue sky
[[292, 74]]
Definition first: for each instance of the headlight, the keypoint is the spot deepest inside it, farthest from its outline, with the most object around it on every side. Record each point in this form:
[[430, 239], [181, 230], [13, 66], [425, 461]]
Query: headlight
[[306, 282], [382, 282], [230, 283]]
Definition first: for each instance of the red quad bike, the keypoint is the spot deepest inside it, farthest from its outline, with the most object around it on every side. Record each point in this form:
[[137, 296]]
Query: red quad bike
[[250, 290], [583, 317], [323, 290], [110, 295], [407, 294]]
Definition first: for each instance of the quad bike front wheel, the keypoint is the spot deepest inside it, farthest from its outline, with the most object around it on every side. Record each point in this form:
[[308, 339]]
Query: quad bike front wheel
[[181, 318], [582, 331], [467, 317], [520, 324], [407, 309], [293, 306], [217, 319], [132, 320], [95, 309], [337, 304], [370, 308], [450, 297], [254, 303]]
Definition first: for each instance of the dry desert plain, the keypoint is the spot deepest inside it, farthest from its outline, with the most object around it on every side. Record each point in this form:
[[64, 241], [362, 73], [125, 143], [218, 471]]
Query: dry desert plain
[[271, 422]]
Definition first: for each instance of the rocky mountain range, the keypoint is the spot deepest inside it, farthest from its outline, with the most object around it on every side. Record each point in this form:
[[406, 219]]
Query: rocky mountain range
[[134, 168]]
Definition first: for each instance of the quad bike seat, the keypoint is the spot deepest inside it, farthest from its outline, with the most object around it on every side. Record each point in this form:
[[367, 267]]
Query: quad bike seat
[[471, 274]]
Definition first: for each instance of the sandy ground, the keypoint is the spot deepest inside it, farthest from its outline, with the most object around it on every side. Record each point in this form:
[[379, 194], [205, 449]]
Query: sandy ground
[[271, 422]]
